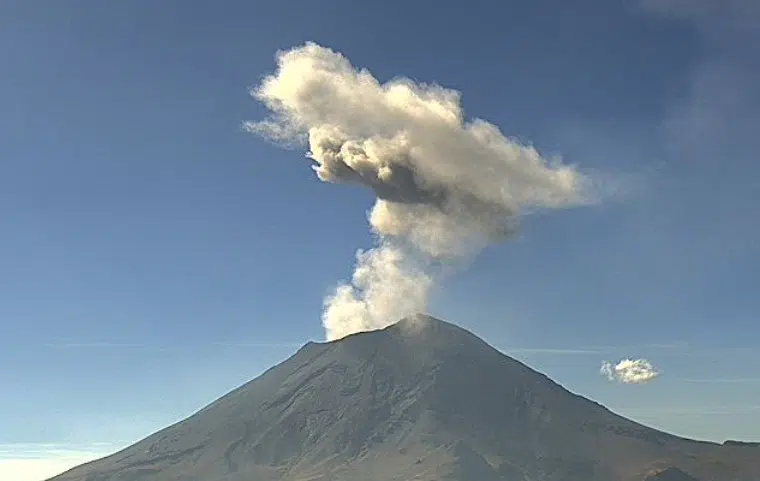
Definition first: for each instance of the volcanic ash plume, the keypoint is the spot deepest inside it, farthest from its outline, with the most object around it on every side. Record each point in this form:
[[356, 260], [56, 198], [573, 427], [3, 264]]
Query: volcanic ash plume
[[630, 371], [445, 187]]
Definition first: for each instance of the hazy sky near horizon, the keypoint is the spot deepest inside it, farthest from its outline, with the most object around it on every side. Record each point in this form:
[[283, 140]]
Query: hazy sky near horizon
[[154, 255]]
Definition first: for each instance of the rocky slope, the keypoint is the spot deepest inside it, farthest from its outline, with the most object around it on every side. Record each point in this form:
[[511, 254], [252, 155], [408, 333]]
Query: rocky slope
[[421, 400]]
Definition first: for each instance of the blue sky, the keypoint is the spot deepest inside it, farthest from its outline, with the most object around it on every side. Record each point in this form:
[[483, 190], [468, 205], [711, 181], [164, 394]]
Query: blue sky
[[154, 255]]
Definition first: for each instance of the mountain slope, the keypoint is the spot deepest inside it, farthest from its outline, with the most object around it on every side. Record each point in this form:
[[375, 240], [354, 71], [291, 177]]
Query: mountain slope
[[422, 399], [671, 474]]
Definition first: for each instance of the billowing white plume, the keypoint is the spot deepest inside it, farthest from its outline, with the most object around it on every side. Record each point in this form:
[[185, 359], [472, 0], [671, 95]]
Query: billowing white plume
[[445, 187], [630, 371]]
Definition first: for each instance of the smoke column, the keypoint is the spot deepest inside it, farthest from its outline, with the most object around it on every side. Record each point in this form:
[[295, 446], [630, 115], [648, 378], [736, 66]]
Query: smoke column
[[445, 187]]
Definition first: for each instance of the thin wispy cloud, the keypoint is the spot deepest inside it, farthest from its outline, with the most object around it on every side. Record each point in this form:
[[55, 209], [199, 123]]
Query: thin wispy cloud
[[674, 345], [675, 348], [35, 462], [744, 380], [721, 106], [710, 128], [550, 351], [711, 352], [169, 347], [718, 410], [100, 345], [254, 344], [46, 450]]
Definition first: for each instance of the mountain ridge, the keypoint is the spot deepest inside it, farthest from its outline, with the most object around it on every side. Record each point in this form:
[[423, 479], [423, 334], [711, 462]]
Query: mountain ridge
[[409, 402]]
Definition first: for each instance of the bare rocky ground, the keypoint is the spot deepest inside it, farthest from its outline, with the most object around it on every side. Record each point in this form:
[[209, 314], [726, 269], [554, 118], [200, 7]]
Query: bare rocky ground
[[422, 400]]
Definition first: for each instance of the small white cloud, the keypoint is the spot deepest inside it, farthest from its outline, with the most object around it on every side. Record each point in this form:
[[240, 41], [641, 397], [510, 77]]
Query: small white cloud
[[630, 371], [551, 351]]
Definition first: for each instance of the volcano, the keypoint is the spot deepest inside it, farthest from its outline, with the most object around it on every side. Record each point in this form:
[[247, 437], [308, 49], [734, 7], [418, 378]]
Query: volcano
[[420, 400]]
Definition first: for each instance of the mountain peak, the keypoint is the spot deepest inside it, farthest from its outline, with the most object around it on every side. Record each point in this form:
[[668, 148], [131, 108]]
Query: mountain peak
[[421, 331], [421, 399], [415, 323], [427, 323]]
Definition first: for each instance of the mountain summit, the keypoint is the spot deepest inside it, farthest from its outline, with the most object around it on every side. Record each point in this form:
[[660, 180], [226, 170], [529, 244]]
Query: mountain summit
[[420, 400]]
